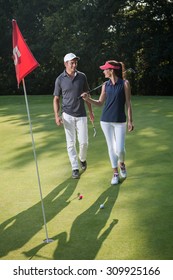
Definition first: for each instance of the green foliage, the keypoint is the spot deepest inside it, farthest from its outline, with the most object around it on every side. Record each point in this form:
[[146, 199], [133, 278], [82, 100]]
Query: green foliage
[[139, 33]]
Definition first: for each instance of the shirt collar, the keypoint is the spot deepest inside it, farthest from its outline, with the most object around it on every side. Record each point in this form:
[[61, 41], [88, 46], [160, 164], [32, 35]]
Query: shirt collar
[[66, 74], [118, 82]]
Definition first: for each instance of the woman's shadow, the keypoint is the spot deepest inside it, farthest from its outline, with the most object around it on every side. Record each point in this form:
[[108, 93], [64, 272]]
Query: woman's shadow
[[87, 232], [19, 229]]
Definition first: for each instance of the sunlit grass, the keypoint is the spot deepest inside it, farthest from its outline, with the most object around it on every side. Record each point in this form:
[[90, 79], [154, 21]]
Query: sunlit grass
[[136, 222]]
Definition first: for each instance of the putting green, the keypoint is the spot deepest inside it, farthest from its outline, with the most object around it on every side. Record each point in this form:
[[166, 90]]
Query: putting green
[[136, 222]]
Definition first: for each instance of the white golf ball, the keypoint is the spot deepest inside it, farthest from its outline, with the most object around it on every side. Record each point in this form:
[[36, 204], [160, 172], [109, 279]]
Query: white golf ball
[[101, 206]]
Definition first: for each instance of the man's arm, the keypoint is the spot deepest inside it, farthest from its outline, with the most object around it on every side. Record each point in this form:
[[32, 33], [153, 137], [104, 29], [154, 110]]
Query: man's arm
[[91, 114], [56, 108]]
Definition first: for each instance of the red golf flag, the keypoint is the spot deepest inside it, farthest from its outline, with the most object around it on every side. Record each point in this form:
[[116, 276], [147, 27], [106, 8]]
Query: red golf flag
[[24, 60]]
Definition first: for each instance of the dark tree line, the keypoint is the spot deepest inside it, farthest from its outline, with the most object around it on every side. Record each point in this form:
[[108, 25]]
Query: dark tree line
[[139, 33]]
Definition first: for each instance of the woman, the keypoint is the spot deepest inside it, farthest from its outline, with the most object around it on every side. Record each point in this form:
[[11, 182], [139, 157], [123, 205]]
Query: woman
[[115, 94]]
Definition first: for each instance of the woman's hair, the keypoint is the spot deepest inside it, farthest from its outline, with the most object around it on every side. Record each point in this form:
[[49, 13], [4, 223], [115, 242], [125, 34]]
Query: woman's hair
[[118, 72]]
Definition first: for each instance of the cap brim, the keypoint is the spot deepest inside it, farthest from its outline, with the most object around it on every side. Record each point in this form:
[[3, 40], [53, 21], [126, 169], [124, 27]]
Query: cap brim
[[108, 66], [76, 57], [103, 67]]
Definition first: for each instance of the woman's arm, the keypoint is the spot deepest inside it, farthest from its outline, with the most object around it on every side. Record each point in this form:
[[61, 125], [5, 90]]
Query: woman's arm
[[86, 96], [127, 89]]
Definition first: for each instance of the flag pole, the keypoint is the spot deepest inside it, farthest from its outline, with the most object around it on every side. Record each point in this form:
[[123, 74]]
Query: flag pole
[[47, 240]]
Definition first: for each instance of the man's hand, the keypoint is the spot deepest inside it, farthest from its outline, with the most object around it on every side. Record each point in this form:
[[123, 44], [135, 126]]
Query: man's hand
[[58, 120]]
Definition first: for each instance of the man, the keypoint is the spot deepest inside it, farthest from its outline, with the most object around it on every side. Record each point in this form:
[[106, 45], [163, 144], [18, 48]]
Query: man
[[71, 84]]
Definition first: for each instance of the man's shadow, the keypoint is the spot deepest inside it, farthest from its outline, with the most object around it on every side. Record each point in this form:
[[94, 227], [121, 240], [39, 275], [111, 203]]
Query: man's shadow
[[87, 232], [19, 229]]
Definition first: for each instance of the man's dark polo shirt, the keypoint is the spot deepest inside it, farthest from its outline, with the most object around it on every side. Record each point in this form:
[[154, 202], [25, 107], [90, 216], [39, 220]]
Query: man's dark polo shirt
[[71, 89]]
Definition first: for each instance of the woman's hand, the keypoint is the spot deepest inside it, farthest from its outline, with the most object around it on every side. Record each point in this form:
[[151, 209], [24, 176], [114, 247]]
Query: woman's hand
[[85, 96], [130, 126]]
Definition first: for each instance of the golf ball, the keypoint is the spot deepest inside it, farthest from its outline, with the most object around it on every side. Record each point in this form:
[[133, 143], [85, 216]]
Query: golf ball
[[80, 196], [101, 206]]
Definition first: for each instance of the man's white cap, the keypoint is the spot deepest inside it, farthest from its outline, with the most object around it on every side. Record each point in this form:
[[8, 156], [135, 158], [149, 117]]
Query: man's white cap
[[70, 56]]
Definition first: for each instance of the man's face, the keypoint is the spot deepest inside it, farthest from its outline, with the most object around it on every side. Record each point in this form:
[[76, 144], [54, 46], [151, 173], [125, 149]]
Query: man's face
[[71, 65]]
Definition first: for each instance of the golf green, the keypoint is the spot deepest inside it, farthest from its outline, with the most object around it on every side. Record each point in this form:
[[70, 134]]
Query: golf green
[[136, 222]]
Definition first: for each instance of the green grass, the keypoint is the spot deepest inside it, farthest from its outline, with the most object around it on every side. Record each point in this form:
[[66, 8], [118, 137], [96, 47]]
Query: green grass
[[136, 222]]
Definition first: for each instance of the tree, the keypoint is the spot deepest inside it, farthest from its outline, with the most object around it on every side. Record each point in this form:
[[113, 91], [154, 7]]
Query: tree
[[150, 42], [138, 32]]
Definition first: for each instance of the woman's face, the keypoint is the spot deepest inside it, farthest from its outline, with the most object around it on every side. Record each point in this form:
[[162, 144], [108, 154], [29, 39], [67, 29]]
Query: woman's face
[[108, 73]]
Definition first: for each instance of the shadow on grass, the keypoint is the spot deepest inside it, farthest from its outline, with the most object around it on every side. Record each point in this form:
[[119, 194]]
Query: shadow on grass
[[19, 229], [88, 232]]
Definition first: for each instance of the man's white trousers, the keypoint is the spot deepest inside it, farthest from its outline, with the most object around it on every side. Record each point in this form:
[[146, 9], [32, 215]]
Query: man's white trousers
[[76, 128]]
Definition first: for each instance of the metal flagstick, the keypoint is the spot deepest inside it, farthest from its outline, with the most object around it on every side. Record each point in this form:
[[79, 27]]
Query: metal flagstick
[[47, 240]]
